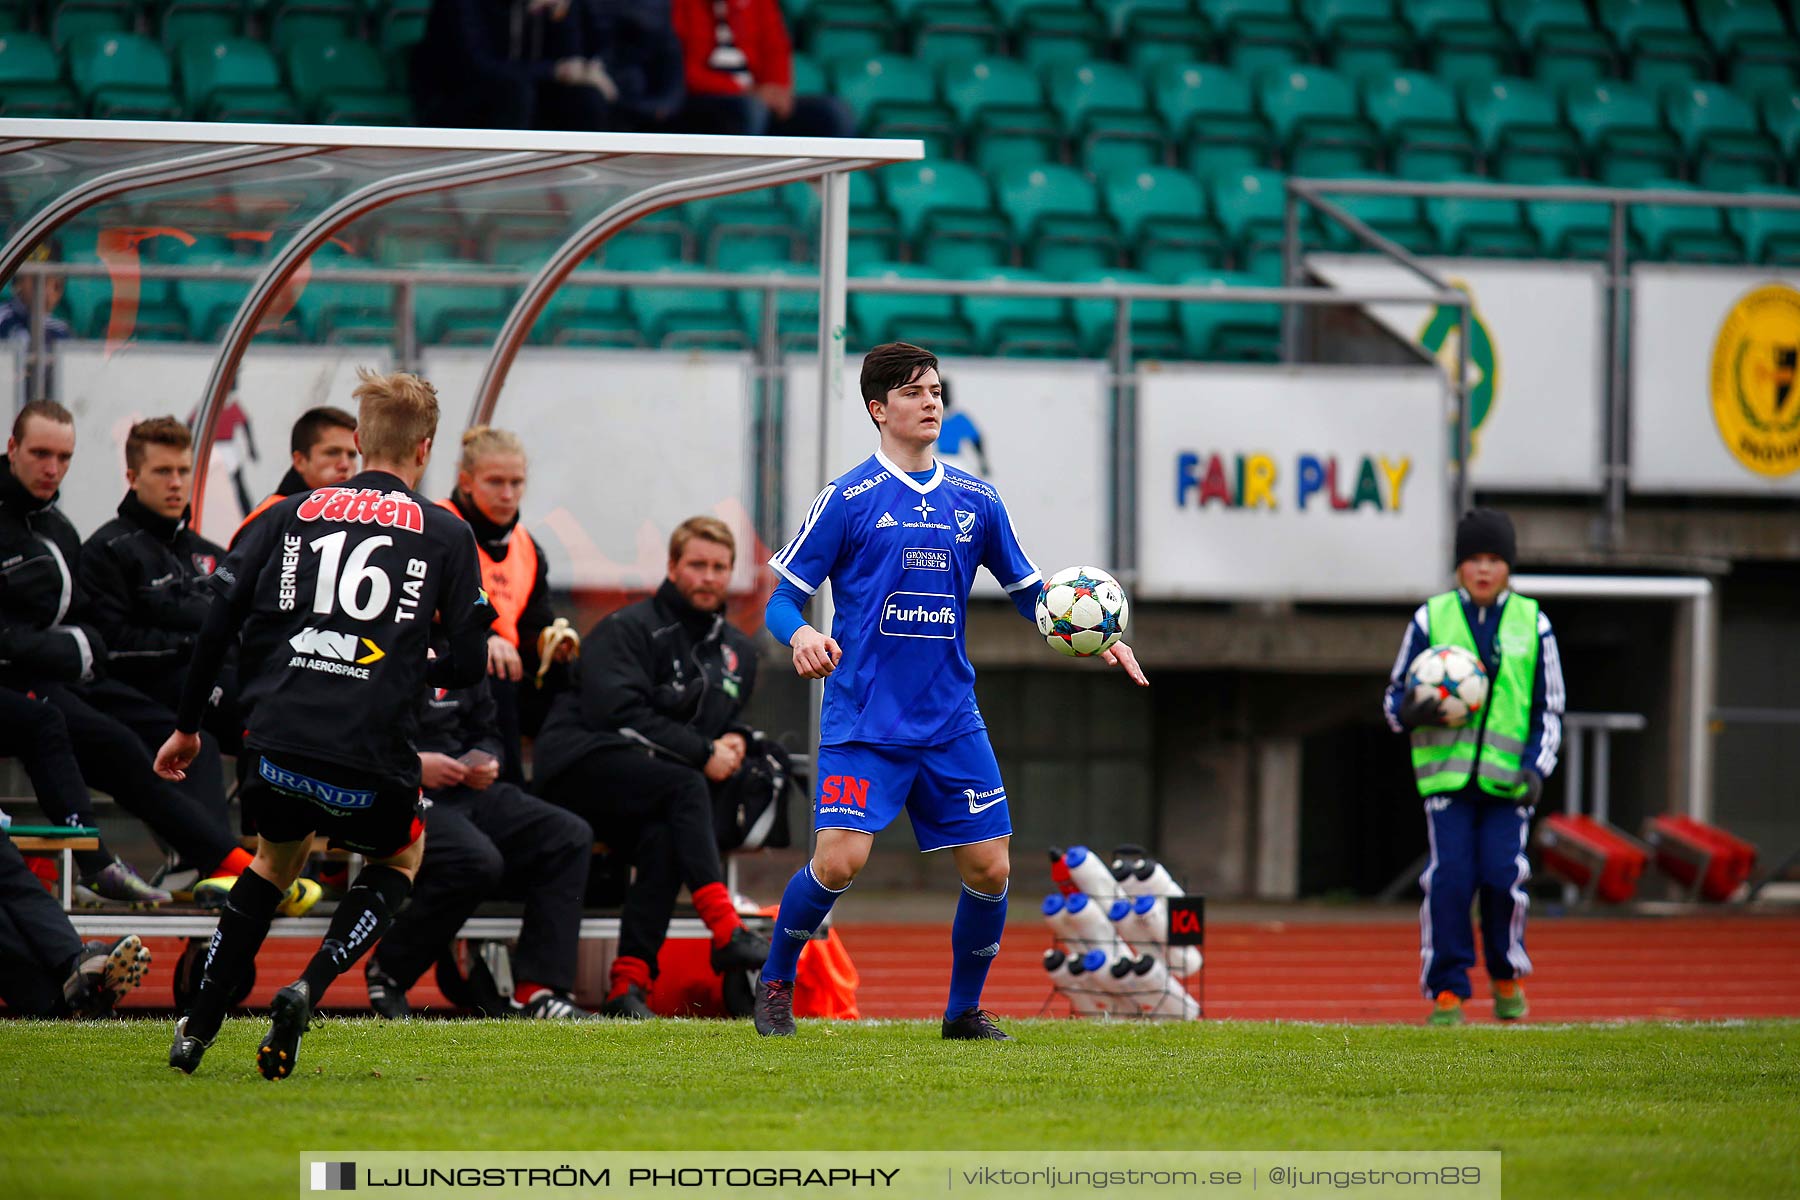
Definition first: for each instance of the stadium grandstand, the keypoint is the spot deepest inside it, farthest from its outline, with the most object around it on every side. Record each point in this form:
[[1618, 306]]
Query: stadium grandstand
[[1573, 203]]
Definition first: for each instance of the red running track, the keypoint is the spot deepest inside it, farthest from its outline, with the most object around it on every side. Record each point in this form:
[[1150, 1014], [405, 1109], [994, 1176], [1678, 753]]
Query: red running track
[[1652, 968]]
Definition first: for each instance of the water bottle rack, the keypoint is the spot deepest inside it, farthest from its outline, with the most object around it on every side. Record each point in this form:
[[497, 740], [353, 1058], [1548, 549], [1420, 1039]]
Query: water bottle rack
[[1131, 998]]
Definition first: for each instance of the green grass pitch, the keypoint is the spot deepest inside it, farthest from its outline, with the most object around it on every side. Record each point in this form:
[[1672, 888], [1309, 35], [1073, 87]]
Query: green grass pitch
[[1602, 1111]]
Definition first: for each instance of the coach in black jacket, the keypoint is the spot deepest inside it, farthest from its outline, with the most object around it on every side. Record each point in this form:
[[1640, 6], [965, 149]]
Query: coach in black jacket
[[485, 838], [43, 654], [651, 724]]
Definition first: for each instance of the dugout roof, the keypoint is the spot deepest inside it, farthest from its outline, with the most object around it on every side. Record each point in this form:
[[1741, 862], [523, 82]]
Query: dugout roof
[[283, 198]]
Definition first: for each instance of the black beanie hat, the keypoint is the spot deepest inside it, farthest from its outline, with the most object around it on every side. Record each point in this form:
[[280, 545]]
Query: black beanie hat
[[1485, 531]]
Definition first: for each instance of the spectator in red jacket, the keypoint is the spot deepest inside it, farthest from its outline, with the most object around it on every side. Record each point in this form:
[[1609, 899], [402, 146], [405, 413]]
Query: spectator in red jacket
[[740, 74]]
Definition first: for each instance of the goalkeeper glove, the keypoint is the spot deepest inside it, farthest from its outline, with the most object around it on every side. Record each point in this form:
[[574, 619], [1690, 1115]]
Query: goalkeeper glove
[[1421, 708]]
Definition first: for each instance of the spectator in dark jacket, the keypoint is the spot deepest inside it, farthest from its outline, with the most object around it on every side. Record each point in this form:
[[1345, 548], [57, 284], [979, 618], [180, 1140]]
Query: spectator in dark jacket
[[145, 576], [45, 655], [486, 838], [651, 726], [740, 74], [644, 58], [512, 64]]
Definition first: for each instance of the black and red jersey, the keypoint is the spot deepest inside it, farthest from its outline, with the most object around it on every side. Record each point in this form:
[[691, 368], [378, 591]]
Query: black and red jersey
[[339, 593]]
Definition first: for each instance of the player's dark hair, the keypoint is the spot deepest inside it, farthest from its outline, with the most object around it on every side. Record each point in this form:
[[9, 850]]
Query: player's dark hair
[[50, 410], [310, 429], [892, 365], [157, 431]]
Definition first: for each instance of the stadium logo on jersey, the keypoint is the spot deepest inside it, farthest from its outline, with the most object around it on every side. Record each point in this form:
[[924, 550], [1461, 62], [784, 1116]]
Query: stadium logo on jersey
[[965, 526], [919, 614], [913, 558], [843, 791], [857, 489], [363, 506], [986, 799], [887, 522], [328, 794], [204, 564]]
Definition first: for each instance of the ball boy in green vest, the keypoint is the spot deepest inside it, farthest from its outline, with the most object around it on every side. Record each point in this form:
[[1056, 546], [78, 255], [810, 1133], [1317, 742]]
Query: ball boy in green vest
[[1480, 782]]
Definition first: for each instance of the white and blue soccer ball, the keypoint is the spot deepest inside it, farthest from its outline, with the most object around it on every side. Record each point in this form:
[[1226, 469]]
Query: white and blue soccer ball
[[1455, 676], [1082, 611]]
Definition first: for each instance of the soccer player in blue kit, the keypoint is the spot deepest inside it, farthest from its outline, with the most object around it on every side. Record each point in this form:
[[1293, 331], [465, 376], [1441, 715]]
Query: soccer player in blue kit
[[900, 536]]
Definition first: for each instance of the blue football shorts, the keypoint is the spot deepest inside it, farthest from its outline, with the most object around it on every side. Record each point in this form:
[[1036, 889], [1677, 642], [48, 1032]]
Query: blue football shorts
[[952, 791]]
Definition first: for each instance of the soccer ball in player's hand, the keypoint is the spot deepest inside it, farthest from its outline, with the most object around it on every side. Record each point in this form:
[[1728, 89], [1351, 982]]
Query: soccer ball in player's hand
[[1455, 676], [1082, 611]]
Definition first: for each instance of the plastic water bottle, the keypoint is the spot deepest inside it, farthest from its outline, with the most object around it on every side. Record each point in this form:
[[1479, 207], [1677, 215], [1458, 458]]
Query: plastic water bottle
[[1086, 924], [1084, 992], [1068, 982], [1115, 995], [1146, 925], [1059, 873], [1167, 997], [1145, 877], [1090, 874]]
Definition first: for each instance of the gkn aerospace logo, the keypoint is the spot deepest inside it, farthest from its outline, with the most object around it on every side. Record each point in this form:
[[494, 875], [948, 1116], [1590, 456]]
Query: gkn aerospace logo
[[334, 653]]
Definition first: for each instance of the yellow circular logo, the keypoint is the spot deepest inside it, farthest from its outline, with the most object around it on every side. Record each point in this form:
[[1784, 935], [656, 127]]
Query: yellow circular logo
[[1755, 391]]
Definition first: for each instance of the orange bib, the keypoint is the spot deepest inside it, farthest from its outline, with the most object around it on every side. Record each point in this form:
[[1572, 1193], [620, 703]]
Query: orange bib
[[509, 581]]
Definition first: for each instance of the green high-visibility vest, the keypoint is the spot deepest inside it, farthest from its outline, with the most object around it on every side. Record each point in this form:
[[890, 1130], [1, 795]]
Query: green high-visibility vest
[[1493, 745]]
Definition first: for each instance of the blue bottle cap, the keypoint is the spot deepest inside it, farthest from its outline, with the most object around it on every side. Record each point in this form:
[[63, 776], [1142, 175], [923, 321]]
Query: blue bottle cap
[[1121, 908], [1075, 857], [1144, 904], [1077, 902], [1053, 904], [1094, 960]]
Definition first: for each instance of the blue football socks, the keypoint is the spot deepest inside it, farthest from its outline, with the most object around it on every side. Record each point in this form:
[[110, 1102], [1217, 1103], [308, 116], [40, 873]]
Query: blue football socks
[[804, 904], [974, 943]]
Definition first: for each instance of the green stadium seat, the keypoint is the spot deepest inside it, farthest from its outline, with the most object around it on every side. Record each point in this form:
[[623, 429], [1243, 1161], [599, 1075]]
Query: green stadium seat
[[1770, 235], [460, 314], [1568, 228], [673, 316], [85, 305], [636, 250], [1251, 206], [1559, 40], [198, 20], [1459, 39], [1156, 31], [1054, 206], [1683, 233], [335, 312], [928, 319], [402, 26], [1162, 213], [1781, 116], [31, 82], [1519, 127], [1725, 145], [1657, 39], [123, 76], [1258, 33], [1020, 326], [839, 30], [1001, 106], [1104, 110], [526, 252], [291, 21], [158, 318], [897, 97], [1751, 36], [947, 30], [233, 79], [1315, 115], [1621, 128], [15, 16], [1361, 35], [1401, 218], [946, 210], [74, 19], [1046, 31], [1155, 331], [1211, 113], [796, 312], [1417, 117], [1482, 228], [210, 304], [587, 316], [1231, 332], [336, 81]]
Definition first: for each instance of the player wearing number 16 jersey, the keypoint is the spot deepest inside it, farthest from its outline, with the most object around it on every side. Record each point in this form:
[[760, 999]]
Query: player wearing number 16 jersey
[[339, 593]]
